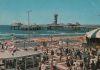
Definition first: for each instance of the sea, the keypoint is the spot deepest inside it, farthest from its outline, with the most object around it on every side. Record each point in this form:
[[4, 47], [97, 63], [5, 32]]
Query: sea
[[6, 32]]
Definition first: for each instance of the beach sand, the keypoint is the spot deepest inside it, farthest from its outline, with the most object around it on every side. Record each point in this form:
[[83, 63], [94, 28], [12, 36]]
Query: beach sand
[[78, 38]]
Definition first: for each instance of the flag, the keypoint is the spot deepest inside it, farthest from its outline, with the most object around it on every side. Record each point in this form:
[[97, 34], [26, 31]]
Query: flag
[[6, 44]]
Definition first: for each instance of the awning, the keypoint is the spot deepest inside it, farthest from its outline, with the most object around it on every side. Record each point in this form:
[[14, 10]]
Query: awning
[[94, 33]]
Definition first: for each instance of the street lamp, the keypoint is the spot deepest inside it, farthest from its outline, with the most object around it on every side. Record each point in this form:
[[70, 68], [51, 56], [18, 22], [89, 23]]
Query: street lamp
[[28, 12]]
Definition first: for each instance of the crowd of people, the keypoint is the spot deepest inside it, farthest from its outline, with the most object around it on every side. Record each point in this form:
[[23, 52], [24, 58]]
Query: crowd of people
[[76, 57], [72, 55]]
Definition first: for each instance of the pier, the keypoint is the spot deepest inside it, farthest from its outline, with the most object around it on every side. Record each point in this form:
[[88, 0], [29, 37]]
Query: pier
[[19, 26], [32, 27], [16, 26], [76, 27]]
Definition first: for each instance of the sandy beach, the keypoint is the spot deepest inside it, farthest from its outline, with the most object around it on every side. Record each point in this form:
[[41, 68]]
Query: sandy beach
[[82, 38], [54, 52]]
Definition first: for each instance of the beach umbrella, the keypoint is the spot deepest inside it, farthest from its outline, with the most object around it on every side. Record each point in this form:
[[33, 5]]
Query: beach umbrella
[[64, 42], [60, 43], [12, 49]]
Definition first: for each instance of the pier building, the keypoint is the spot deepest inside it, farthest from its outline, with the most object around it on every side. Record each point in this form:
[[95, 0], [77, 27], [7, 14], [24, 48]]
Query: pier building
[[16, 26], [31, 27]]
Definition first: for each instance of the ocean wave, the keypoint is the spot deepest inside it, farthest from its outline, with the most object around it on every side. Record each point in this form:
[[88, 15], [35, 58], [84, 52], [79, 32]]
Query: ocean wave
[[63, 34], [22, 34], [10, 34], [37, 35]]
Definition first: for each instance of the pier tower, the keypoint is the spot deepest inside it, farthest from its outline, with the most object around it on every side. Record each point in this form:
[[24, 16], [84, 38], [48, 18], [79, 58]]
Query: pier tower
[[55, 19]]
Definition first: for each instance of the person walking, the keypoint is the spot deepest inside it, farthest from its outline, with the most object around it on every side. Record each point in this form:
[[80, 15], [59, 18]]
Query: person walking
[[54, 65], [93, 67]]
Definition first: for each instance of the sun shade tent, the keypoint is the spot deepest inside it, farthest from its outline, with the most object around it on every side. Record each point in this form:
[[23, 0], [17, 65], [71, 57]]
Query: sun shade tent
[[93, 37], [94, 33]]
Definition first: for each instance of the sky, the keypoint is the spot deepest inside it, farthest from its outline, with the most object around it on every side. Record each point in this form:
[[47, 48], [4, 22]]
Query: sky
[[42, 11]]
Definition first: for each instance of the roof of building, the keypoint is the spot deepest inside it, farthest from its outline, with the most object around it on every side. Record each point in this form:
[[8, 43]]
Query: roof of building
[[23, 53]]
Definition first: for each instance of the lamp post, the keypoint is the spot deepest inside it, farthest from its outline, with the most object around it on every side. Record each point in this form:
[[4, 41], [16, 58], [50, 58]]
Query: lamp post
[[28, 12]]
